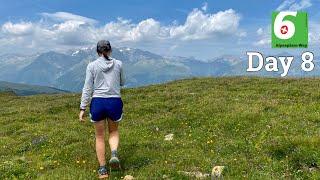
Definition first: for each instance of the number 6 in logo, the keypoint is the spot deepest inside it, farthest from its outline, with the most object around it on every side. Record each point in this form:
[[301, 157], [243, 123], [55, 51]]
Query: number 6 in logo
[[284, 29]]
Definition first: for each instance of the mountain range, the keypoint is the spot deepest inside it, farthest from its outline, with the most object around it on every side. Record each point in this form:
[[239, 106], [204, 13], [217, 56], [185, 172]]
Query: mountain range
[[25, 89], [67, 70]]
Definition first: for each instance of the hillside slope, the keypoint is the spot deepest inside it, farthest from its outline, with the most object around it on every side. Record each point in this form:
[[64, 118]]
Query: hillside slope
[[26, 89], [256, 128]]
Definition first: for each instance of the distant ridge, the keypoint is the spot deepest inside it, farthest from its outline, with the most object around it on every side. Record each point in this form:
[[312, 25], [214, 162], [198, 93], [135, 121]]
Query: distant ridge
[[26, 89]]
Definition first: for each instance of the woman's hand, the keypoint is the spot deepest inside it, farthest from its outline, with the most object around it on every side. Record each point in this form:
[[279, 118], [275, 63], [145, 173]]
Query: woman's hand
[[81, 116]]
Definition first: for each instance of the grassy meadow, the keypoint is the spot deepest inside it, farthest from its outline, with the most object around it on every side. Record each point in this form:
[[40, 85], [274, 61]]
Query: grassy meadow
[[258, 128]]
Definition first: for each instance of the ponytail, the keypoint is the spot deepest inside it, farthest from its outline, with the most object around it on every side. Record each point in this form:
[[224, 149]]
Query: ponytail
[[105, 56]]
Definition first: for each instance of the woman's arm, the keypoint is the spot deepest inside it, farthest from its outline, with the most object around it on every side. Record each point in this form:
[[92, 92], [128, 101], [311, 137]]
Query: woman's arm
[[87, 88], [122, 76]]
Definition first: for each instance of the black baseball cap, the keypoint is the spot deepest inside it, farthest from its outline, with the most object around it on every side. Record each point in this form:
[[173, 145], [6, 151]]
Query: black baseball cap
[[103, 46]]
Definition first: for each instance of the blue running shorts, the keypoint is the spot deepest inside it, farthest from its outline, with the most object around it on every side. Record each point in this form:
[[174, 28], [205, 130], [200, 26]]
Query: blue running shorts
[[102, 108]]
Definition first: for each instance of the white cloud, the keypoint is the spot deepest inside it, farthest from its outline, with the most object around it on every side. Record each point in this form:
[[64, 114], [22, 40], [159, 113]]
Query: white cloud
[[65, 16], [73, 33], [18, 29], [205, 6], [292, 5], [64, 30], [124, 31], [263, 42], [264, 36], [285, 4], [173, 47], [242, 34], [260, 31], [146, 30], [201, 26], [197, 26]]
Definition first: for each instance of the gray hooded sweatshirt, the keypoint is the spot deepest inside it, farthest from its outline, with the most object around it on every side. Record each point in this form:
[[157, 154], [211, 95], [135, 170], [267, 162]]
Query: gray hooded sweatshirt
[[103, 79]]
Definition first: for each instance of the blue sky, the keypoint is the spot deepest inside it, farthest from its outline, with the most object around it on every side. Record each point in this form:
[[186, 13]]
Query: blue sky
[[204, 29], [165, 11]]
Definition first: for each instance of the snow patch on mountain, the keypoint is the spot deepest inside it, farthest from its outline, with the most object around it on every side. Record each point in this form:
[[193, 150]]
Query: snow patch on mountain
[[75, 53]]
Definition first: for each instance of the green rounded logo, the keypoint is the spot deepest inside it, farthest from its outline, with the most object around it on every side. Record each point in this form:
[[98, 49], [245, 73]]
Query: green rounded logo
[[289, 30]]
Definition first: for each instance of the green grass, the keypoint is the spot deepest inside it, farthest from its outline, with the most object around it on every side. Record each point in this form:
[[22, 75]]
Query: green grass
[[258, 128]]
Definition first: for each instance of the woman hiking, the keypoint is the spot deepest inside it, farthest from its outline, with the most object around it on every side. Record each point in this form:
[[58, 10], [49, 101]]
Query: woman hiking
[[104, 78]]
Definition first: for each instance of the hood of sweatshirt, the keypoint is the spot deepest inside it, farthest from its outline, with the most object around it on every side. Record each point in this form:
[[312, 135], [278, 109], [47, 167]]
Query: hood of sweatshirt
[[105, 64]]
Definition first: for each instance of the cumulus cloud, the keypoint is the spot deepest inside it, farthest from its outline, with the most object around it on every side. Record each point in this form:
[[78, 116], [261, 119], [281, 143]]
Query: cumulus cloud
[[65, 30], [197, 26], [73, 33], [123, 30], [145, 30], [293, 5], [200, 25], [18, 29], [264, 36]]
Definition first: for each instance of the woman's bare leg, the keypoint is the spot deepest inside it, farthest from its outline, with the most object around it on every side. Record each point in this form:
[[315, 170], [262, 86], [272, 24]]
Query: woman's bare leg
[[113, 135], [100, 141]]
